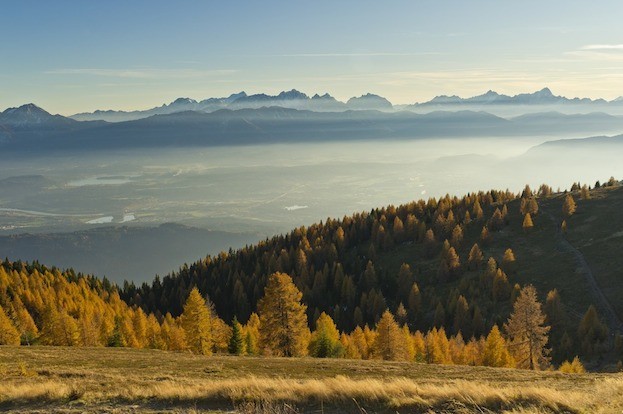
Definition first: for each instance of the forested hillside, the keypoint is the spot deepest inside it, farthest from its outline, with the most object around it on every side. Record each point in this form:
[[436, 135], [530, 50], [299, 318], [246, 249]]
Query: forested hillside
[[456, 263], [438, 281]]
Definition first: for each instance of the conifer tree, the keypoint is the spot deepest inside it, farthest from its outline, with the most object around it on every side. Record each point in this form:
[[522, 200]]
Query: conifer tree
[[221, 334], [593, 333], [405, 281], [359, 341], [283, 322], [568, 206], [527, 223], [495, 352], [509, 263], [477, 210], [325, 340], [453, 262], [401, 315], [485, 235], [369, 278], [462, 318], [501, 287], [496, 222], [154, 333], [527, 331], [390, 343], [236, 342], [573, 367], [457, 236], [414, 302], [139, 322], [430, 243], [440, 316], [554, 311], [25, 324], [437, 347], [176, 335], [116, 339], [475, 257], [252, 334], [8, 333], [197, 324]]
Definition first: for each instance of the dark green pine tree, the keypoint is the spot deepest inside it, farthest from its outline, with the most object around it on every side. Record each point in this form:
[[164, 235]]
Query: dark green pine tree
[[236, 343], [116, 338]]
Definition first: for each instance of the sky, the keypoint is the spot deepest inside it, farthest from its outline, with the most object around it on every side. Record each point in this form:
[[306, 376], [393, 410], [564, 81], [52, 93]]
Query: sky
[[77, 56]]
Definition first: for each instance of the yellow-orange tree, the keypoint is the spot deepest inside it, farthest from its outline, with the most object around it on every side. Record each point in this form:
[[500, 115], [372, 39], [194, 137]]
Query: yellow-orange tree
[[527, 331], [390, 341], [8, 333], [197, 324], [283, 322]]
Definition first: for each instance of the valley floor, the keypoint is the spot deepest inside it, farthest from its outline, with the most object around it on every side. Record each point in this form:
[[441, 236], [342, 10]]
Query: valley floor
[[114, 380]]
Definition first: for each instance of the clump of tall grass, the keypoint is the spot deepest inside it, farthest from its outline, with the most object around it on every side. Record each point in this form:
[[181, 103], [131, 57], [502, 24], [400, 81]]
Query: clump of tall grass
[[264, 395]]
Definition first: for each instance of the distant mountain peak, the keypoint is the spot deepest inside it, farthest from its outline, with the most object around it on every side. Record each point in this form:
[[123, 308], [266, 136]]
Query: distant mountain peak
[[231, 98], [369, 101], [183, 101], [292, 94], [29, 108], [326, 96], [545, 92], [29, 114]]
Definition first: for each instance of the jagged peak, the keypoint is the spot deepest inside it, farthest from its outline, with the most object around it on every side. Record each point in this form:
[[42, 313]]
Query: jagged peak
[[292, 94], [27, 108], [544, 92], [183, 101]]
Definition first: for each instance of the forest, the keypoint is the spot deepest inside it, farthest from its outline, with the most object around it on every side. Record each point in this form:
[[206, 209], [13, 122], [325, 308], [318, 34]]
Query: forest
[[429, 281]]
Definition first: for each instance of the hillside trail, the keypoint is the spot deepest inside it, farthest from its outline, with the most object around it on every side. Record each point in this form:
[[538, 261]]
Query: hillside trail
[[603, 304]]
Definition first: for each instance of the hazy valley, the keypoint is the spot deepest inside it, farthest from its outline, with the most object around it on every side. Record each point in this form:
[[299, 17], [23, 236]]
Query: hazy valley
[[222, 202]]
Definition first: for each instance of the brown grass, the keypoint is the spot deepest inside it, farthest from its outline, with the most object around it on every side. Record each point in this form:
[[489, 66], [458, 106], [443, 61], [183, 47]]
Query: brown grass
[[82, 380]]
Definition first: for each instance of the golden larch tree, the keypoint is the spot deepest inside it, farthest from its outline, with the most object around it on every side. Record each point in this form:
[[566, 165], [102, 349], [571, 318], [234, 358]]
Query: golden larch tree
[[197, 323], [173, 335], [283, 322], [568, 206], [252, 335], [9, 334], [496, 353], [528, 224], [475, 258], [390, 342], [509, 262], [527, 331]]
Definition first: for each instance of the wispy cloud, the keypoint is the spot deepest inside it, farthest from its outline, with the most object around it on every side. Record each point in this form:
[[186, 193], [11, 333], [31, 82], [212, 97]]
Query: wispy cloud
[[598, 52], [142, 73], [618, 47], [357, 54]]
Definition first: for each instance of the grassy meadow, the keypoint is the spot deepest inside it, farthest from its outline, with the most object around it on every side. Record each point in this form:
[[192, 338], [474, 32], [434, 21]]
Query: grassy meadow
[[116, 380]]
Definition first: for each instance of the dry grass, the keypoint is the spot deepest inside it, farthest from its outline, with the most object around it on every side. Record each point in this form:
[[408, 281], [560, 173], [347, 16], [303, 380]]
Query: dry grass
[[108, 380]]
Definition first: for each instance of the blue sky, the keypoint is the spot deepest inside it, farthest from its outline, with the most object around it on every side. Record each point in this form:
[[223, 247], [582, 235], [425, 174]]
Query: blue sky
[[73, 56]]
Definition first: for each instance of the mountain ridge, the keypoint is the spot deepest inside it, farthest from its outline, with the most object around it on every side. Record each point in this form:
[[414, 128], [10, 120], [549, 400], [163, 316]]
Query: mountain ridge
[[321, 103], [276, 124]]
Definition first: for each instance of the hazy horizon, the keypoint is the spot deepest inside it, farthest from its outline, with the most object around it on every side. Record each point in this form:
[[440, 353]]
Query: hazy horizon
[[72, 56]]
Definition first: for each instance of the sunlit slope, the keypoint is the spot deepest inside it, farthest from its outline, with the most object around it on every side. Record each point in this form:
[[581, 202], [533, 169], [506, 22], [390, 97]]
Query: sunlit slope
[[126, 380]]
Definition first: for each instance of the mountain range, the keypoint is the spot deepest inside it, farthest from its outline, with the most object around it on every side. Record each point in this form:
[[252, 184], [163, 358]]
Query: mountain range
[[291, 99], [326, 103], [30, 128]]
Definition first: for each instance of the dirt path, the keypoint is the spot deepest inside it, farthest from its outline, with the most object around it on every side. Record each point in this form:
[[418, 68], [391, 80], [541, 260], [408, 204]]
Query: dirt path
[[603, 304]]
